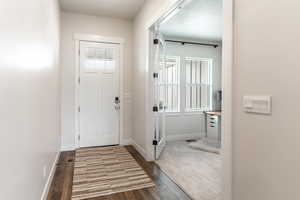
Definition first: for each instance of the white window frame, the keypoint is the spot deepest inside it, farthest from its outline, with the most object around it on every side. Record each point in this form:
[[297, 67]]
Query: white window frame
[[198, 110]]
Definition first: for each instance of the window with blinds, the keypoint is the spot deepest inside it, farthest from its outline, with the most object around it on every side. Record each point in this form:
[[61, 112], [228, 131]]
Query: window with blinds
[[171, 83], [198, 86]]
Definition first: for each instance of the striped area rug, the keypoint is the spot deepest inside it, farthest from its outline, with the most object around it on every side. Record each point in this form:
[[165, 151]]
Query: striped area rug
[[101, 171]]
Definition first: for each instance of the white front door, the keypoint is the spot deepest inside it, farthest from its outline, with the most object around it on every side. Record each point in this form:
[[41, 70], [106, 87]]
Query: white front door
[[99, 94]]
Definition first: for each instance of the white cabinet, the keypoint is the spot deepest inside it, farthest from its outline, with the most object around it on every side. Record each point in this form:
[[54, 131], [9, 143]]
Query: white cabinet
[[213, 126]]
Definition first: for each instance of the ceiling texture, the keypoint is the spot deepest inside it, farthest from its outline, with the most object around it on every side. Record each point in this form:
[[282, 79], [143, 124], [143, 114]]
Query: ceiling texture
[[197, 19], [125, 9]]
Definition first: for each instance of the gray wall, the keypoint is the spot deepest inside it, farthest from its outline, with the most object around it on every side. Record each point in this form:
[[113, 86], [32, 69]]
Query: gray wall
[[266, 148], [30, 96]]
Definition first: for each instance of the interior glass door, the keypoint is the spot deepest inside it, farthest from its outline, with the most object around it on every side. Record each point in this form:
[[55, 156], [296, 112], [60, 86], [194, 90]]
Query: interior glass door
[[159, 95]]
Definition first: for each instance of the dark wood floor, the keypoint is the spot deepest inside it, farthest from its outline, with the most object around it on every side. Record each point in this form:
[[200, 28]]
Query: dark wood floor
[[61, 187]]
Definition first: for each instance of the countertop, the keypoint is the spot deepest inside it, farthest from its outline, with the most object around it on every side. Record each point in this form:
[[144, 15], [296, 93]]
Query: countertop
[[218, 113]]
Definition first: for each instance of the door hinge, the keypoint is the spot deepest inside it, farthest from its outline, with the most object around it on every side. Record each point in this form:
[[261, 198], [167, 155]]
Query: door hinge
[[78, 108], [155, 109], [78, 79], [154, 142], [155, 75], [155, 41], [78, 137], [78, 51]]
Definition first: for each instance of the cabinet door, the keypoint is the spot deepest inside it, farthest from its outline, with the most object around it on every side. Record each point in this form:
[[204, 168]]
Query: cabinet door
[[213, 127]]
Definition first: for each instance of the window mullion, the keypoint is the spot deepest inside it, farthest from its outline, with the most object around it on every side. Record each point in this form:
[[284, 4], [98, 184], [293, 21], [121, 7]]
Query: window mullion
[[191, 81], [200, 85], [172, 107], [166, 88], [196, 80]]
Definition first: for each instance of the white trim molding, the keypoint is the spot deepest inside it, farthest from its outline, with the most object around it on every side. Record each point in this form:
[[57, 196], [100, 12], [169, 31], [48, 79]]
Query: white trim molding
[[226, 126], [50, 178], [77, 37], [141, 150], [70, 147], [98, 38]]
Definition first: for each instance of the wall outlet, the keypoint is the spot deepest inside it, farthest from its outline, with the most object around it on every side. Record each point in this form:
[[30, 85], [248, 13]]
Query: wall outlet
[[44, 171]]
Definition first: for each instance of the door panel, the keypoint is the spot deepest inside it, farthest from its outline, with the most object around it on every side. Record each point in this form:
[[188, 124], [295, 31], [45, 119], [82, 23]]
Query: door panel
[[99, 85], [159, 96]]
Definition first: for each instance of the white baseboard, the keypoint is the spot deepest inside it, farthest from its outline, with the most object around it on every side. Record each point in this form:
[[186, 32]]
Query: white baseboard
[[72, 147], [67, 148], [140, 149], [50, 178], [188, 136]]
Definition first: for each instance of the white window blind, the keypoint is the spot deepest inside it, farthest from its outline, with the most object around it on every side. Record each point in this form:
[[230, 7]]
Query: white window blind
[[198, 84], [170, 83]]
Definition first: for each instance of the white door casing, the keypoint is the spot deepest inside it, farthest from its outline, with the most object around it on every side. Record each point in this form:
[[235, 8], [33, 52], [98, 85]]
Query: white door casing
[[99, 65], [227, 66]]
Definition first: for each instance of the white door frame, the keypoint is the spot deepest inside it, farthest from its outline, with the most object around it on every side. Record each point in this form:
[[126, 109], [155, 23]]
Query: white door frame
[[227, 65], [97, 38]]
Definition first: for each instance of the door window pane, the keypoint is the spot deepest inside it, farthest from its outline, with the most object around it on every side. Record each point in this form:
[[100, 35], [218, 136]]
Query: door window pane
[[170, 83]]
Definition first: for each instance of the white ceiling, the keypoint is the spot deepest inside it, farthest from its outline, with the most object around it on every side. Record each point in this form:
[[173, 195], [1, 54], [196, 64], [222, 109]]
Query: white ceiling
[[125, 9], [198, 19]]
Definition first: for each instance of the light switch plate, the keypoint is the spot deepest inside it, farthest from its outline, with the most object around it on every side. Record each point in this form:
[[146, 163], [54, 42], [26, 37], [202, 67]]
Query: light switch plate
[[257, 104]]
